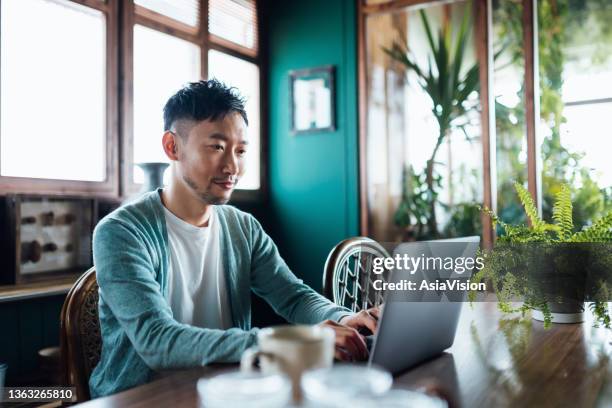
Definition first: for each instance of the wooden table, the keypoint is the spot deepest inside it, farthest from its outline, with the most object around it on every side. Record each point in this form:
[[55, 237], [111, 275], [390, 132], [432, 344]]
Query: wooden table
[[494, 362]]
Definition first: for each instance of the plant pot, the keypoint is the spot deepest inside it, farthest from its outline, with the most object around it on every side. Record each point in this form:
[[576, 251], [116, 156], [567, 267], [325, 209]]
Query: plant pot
[[562, 280], [570, 311]]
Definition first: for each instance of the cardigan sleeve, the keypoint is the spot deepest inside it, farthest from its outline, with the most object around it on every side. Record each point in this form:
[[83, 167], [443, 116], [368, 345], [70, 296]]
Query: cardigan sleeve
[[272, 279], [126, 277]]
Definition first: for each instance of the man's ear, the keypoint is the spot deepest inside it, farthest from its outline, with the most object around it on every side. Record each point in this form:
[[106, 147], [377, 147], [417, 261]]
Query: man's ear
[[171, 145]]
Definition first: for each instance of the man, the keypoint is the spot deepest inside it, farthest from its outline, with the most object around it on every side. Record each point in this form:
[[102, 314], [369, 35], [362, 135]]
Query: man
[[176, 267]]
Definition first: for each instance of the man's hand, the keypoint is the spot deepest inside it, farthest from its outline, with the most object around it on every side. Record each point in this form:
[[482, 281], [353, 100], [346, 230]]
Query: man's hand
[[365, 321], [350, 345]]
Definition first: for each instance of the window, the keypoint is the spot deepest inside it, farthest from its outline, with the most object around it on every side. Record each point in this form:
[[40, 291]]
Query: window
[[66, 120], [171, 48], [508, 83], [568, 124], [162, 64], [234, 21], [233, 35], [53, 95], [185, 11], [544, 88], [423, 171], [575, 71], [244, 76]]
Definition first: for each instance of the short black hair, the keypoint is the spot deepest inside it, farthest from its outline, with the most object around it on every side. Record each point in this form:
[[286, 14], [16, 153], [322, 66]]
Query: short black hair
[[203, 100]]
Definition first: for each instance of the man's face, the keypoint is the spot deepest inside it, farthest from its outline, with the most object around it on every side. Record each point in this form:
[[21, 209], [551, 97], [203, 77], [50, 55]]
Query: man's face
[[211, 157]]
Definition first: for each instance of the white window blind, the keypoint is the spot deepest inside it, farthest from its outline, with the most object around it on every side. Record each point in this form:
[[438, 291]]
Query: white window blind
[[185, 11], [235, 21]]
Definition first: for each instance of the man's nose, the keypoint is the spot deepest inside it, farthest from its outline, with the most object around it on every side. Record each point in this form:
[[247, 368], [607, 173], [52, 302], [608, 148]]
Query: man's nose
[[230, 164]]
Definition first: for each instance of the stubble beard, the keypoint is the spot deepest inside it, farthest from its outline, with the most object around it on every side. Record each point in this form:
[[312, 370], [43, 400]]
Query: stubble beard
[[204, 196]]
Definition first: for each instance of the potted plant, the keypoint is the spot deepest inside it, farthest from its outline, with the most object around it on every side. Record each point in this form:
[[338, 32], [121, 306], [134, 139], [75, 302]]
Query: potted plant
[[551, 268]]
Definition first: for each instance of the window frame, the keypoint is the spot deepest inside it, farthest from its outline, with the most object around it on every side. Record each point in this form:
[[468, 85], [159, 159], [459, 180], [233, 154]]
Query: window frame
[[110, 186], [200, 36], [121, 16]]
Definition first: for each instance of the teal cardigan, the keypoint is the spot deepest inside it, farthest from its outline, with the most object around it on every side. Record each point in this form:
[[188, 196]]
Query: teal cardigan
[[139, 334]]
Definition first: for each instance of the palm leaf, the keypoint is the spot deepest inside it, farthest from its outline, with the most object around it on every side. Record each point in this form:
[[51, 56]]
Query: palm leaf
[[441, 79], [425, 22], [398, 54], [461, 42], [459, 51], [470, 83], [441, 58]]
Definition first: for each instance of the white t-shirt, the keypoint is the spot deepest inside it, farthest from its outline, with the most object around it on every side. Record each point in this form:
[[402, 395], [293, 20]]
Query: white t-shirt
[[197, 291]]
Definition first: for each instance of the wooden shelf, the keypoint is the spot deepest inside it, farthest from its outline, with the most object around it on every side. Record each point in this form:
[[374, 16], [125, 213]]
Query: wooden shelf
[[58, 286]]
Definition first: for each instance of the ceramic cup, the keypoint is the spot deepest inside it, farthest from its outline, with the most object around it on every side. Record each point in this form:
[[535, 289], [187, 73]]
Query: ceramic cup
[[291, 350]]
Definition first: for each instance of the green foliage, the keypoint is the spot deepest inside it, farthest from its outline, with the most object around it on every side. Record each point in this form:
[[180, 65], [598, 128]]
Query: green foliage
[[515, 293], [530, 208], [563, 228], [600, 231], [509, 286], [562, 213], [443, 78], [600, 310], [414, 208], [464, 221]]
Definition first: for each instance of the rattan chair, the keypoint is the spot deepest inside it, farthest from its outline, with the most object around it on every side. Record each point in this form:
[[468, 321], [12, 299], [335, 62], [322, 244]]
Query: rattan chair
[[80, 338], [348, 275]]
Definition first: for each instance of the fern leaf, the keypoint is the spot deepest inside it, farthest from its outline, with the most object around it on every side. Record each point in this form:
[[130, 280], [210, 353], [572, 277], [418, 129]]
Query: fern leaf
[[562, 213], [495, 221], [494, 218], [529, 206], [600, 231]]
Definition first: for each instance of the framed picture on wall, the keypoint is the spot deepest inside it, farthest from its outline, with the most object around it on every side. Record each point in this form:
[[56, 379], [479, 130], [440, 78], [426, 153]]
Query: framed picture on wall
[[312, 95]]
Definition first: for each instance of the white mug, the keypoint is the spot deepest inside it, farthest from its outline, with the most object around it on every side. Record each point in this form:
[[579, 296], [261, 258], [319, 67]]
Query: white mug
[[291, 350]]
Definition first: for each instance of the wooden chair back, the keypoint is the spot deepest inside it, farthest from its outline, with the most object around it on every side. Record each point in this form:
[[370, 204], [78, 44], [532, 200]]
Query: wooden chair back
[[80, 338], [348, 275]]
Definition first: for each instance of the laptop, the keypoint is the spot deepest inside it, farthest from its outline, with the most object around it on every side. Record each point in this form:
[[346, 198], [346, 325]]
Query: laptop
[[415, 326]]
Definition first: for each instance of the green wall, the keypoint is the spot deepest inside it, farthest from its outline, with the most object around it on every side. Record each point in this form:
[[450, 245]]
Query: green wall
[[313, 178], [28, 326]]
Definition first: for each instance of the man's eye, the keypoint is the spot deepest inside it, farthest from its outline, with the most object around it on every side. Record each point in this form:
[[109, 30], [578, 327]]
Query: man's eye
[[242, 152], [218, 147]]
